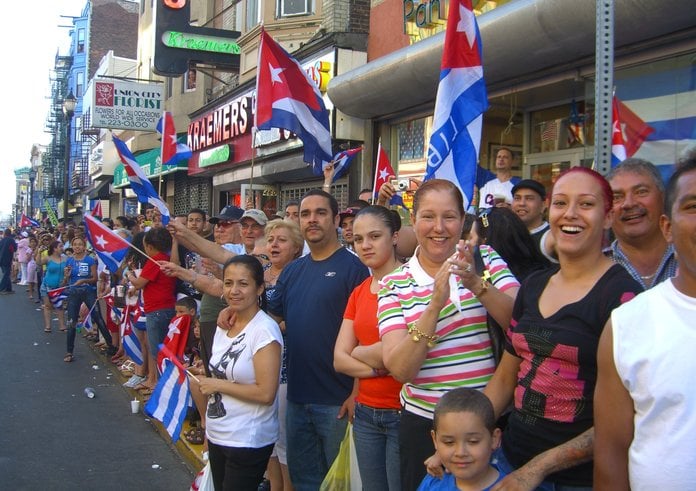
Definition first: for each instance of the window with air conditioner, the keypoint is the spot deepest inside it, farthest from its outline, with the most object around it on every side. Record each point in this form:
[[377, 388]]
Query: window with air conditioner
[[289, 8]]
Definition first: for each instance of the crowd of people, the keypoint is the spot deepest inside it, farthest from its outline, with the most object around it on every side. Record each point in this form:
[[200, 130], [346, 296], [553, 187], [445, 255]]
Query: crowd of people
[[517, 348]]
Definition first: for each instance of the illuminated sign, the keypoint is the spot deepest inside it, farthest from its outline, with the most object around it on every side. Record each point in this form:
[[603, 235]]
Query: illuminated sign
[[178, 44], [214, 156], [174, 39], [226, 122]]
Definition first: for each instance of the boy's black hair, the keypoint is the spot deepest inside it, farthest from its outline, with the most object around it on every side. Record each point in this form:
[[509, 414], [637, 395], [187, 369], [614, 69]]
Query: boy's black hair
[[188, 302], [466, 400], [159, 239]]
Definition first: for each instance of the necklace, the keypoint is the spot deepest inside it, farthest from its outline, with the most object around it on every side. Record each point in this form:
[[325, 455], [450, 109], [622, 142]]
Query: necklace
[[648, 277]]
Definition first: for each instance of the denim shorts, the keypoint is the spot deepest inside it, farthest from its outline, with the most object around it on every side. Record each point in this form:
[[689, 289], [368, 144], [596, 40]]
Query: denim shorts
[[157, 328]]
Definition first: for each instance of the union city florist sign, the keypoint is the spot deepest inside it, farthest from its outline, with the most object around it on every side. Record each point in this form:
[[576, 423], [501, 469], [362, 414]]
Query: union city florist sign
[[182, 40], [120, 104]]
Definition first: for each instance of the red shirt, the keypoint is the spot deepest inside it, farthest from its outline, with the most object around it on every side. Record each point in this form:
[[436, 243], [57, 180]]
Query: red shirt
[[376, 392], [159, 292]]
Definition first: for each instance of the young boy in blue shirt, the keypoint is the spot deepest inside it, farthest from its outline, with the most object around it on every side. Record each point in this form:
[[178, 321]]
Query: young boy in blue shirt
[[465, 436]]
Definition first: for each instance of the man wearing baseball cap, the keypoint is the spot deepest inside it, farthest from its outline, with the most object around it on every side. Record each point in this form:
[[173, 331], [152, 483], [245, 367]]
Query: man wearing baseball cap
[[253, 224], [529, 203], [347, 217]]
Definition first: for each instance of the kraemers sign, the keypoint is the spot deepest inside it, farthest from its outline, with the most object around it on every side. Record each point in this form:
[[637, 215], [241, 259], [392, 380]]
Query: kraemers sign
[[120, 104]]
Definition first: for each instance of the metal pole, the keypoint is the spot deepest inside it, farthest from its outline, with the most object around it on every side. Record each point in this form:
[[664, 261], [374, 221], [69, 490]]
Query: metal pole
[[66, 176], [604, 83], [31, 196]]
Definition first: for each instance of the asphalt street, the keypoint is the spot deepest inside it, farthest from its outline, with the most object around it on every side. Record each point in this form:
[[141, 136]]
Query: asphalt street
[[52, 436]]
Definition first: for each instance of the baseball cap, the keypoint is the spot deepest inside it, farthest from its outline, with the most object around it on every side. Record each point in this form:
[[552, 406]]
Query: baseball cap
[[535, 186], [349, 212], [229, 213], [257, 215]]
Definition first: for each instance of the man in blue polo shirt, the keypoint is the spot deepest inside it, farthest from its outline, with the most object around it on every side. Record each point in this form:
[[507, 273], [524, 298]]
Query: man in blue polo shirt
[[311, 296]]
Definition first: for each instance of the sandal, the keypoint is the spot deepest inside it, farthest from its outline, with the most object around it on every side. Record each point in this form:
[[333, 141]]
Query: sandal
[[195, 435], [68, 358], [47, 330], [127, 366], [146, 391]]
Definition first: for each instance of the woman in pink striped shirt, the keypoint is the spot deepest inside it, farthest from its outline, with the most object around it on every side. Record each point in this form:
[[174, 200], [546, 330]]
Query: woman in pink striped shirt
[[432, 318]]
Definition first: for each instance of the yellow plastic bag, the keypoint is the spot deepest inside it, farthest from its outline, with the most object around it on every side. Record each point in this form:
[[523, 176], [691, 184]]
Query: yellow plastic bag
[[344, 474]]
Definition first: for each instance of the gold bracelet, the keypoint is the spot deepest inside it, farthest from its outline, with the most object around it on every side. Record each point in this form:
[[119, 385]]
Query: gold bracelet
[[416, 335], [484, 288]]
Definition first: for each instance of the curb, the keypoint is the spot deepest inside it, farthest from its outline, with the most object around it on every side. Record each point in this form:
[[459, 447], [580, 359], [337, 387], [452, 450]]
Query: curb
[[191, 454]]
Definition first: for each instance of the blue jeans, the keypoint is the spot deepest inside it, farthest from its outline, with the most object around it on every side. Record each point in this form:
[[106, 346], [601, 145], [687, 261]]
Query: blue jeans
[[157, 323], [77, 295], [506, 468], [314, 438], [376, 437]]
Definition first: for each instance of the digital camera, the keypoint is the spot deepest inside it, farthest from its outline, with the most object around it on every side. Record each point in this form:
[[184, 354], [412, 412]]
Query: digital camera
[[400, 183]]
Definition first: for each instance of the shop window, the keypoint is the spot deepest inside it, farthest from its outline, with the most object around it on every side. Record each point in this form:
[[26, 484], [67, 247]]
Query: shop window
[[412, 146], [561, 127]]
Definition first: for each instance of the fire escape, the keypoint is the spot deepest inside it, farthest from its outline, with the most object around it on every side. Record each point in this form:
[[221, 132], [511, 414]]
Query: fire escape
[[54, 160]]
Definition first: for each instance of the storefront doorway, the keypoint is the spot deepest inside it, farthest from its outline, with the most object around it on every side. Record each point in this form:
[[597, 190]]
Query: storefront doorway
[[545, 167]]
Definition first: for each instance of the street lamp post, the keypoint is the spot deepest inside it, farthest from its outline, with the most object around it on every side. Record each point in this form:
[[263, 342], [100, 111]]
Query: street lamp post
[[32, 178], [68, 110]]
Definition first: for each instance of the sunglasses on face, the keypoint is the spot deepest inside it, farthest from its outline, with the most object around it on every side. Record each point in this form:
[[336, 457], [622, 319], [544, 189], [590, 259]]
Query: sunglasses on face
[[225, 224]]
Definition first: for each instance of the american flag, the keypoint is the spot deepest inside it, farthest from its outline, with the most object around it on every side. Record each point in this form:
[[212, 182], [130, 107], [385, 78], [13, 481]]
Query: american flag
[[549, 130]]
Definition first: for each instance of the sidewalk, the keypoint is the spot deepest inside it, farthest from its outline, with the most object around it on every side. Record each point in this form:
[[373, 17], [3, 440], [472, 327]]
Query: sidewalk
[[192, 454]]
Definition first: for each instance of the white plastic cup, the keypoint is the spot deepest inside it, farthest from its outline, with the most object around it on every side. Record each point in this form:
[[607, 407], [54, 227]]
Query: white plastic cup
[[135, 406]]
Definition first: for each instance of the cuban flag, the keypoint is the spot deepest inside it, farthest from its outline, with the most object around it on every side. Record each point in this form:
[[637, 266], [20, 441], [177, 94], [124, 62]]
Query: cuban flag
[[461, 101], [341, 162], [109, 246], [618, 149], [141, 185], [175, 341], [57, 296], [97, 210], [170, 399], [172, 152], [286, 98], [25, 221], [131, 343], [383, 171]]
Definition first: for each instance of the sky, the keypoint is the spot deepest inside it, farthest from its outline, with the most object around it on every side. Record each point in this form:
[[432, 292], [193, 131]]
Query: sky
[[25, 88]]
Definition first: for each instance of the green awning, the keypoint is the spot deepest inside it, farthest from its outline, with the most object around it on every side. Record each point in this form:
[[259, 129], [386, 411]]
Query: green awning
[[151, 163]]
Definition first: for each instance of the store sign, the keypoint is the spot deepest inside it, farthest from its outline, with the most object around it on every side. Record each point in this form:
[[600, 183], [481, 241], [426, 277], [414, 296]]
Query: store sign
[[178, 44], [181, 40], [214, 156], [225, 123], [119, 104], [426, 14]]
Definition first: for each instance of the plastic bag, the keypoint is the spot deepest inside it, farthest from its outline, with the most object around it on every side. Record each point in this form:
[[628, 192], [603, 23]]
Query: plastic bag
[[344, 474], [203, 480]]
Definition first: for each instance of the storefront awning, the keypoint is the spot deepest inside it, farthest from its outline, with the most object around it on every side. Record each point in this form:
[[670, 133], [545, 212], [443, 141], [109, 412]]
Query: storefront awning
[[522, 40], [151, 163]]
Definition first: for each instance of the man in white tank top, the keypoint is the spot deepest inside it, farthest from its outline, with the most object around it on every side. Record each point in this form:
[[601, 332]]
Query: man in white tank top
[[645, 403]]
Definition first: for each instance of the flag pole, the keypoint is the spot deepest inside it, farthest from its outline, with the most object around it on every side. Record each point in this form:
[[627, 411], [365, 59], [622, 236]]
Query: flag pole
[[375, 192], [251, 175]]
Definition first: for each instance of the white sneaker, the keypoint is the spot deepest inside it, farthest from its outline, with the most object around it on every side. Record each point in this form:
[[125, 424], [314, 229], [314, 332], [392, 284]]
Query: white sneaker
[[133, 381]]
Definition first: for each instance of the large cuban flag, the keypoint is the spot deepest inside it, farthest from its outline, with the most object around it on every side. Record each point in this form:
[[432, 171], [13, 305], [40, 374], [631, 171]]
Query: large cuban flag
[[141, 185], [460, 104], [286, 98]]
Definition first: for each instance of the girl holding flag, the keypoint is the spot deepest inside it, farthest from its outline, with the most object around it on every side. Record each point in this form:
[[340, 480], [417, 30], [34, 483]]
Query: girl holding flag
[[81, 274]]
